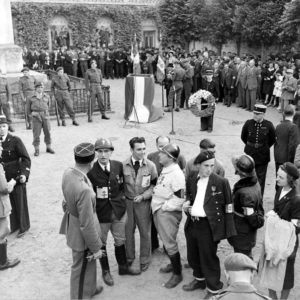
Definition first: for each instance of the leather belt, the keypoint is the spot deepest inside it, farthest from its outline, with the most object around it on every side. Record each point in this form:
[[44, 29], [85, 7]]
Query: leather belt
[[197, 219], [255, 145]]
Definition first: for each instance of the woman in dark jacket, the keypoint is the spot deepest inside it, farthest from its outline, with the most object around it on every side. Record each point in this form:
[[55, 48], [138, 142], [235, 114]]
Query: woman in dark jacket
[[248, 209]]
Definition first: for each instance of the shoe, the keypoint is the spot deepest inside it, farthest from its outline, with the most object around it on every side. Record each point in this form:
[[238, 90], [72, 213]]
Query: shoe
[[6, 263], [107, 278], [10, 263], [177, 109], [63, 123], [209, 130], [144, 267], [90, 120], [75, 123], [173, 281], [10, 128], [194, 285], [29, 127], [105, 117], [50, 150], [21, 234], [167, 269], [209, 295], [128, 270], [167, 109], [36, 152], [99, 290]]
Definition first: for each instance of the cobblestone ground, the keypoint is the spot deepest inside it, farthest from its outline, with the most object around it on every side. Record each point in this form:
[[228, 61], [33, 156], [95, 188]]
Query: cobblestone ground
[[45, 267]]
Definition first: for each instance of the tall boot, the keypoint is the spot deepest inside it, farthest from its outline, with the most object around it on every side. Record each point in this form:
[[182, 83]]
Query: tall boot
[[107, 278], [176, 277], [121, 258], [6, 263], [285, 294]]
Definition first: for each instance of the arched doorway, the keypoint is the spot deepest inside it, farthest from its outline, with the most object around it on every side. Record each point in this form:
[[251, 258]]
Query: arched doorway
[[59, 33], [150, 34]]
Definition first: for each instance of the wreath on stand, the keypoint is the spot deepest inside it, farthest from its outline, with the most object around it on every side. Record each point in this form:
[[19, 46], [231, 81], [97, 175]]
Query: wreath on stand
[[202, 104]]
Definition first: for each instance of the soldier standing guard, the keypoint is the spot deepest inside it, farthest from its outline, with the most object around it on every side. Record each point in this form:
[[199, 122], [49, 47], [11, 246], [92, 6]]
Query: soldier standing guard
[[61, 87], [26, 85], [38, 108], [258, 136], [5, 98], [80, 224], [93, 81]]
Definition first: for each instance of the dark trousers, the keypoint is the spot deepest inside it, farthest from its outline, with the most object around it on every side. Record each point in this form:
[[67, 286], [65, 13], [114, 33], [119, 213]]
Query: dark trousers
[[19, 217], [187, 89], [202, 254], [119, 70], [63, 99], [261, 172], [227, 95], [207, 123], [246, 252], [154, 235]]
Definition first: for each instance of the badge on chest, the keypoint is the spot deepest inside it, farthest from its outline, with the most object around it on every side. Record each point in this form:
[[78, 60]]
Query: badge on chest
[[102, 193]]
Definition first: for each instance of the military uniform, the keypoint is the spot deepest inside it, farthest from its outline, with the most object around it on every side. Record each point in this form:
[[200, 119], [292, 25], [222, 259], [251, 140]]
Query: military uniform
[[258, 139], [26, 86], [61, 87], [93, 81], [177, 86], [83, 62], [5, 97]]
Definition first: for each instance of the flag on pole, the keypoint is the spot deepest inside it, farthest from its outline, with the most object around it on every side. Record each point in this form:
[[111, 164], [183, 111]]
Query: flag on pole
[[160, 73], [135, 56]]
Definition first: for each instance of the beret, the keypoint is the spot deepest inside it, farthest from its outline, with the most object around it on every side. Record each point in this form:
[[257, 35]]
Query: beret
[[25, 69], [38, 84], [59, 68], [104, 144], [84, 153], [259, 108], [291, 170], [239, 262], [3, 119], [204, 156]]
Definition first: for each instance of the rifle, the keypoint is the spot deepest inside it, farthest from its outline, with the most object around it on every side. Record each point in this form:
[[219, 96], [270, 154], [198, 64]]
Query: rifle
[[56, 112], [89, 107]]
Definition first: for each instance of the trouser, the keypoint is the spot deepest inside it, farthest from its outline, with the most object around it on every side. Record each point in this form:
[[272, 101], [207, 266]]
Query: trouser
[[19, 217], [4, 229], [175, 91], [241, 96], [83, 280], [207, 122], [285, 103], [75, 68], [154, 235], [227, 95], [167, 224], [28, 95], [117, 229], [139, 214], [83, 67], [109, 67], [63, 99], [119, 70], [202, 254], [40, 120], [250, 99], [187, 89], [261, 172], [4, 106], [96, 92]]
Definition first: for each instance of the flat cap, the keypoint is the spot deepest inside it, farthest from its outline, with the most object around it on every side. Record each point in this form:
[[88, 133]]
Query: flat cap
[[204, 156], [3, 119], [25, 69], [38, 84], [84, 153], [291, 170], [59, 69], [104, 144], [239, 262], [259, 108]]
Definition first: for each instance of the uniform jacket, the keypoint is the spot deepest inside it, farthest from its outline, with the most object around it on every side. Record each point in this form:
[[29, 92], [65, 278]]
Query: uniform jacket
[[210, 86], [227, 78], [5, 189], [252, 78], [38, 104], [178, 77], [15, 158], [286, 143], [241, 291], [4, 87], [92, 76], [247, 193], [80, 223], [61, 83], [218, 205], [262, 134], [114, 182], [242, 77], [26, 84], [189, 74], [289, 87]]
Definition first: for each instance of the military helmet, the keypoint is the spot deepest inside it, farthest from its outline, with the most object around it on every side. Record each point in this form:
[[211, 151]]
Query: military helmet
[[104, 144], [172, 150]]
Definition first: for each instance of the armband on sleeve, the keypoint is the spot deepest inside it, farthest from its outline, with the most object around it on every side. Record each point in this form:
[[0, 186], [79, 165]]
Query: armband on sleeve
[[229, 208]]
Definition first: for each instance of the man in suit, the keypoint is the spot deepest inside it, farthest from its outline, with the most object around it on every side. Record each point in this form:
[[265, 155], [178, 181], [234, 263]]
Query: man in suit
[[258, 136], [287, 138], [241, 85], [252, 78], [107, 179], [227, 83], [209, 210], [80, 224], [16, 162]]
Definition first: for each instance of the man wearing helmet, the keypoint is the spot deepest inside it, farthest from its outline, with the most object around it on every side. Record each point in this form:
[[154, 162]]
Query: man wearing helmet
[[167, 201], [106, 177], [248, 209]]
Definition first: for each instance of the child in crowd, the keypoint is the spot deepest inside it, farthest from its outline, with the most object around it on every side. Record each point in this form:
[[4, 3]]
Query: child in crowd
[[278, 91]]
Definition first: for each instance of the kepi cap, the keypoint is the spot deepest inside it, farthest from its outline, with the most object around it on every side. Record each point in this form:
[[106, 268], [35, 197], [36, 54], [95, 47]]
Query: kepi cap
[[25, 69], [104, 144], [84, 153], [59, 68], [259, 109], [209, 72], [3, 119], [239, 262]]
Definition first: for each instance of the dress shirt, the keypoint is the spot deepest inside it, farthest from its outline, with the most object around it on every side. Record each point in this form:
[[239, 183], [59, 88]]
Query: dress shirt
[[198, 206], [105, 166], [134, 160]]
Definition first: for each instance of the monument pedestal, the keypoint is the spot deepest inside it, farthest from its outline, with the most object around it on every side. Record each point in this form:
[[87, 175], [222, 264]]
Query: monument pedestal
[[11, 60]]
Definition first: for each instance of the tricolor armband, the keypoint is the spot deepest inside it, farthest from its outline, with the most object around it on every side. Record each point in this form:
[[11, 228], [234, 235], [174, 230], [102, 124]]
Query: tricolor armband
[[229, 208]]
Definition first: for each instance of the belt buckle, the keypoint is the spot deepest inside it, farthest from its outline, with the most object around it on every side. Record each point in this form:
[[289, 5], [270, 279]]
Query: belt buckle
[[256, 145]]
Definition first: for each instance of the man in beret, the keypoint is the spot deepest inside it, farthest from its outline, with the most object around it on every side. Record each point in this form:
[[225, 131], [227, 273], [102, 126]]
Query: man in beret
[[258, 136], [61, 87], [27, 89], [93, 82], [80, 224], [209, 210], [5, 100], [239, 272], [38, 108], [107, 179]]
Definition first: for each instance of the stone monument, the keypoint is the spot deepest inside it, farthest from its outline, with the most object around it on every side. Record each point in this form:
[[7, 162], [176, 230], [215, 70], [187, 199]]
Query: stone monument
[[10, 54]]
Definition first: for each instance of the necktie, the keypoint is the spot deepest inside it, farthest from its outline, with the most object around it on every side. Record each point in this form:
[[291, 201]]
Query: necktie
[[106, 171], [136, 166]]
